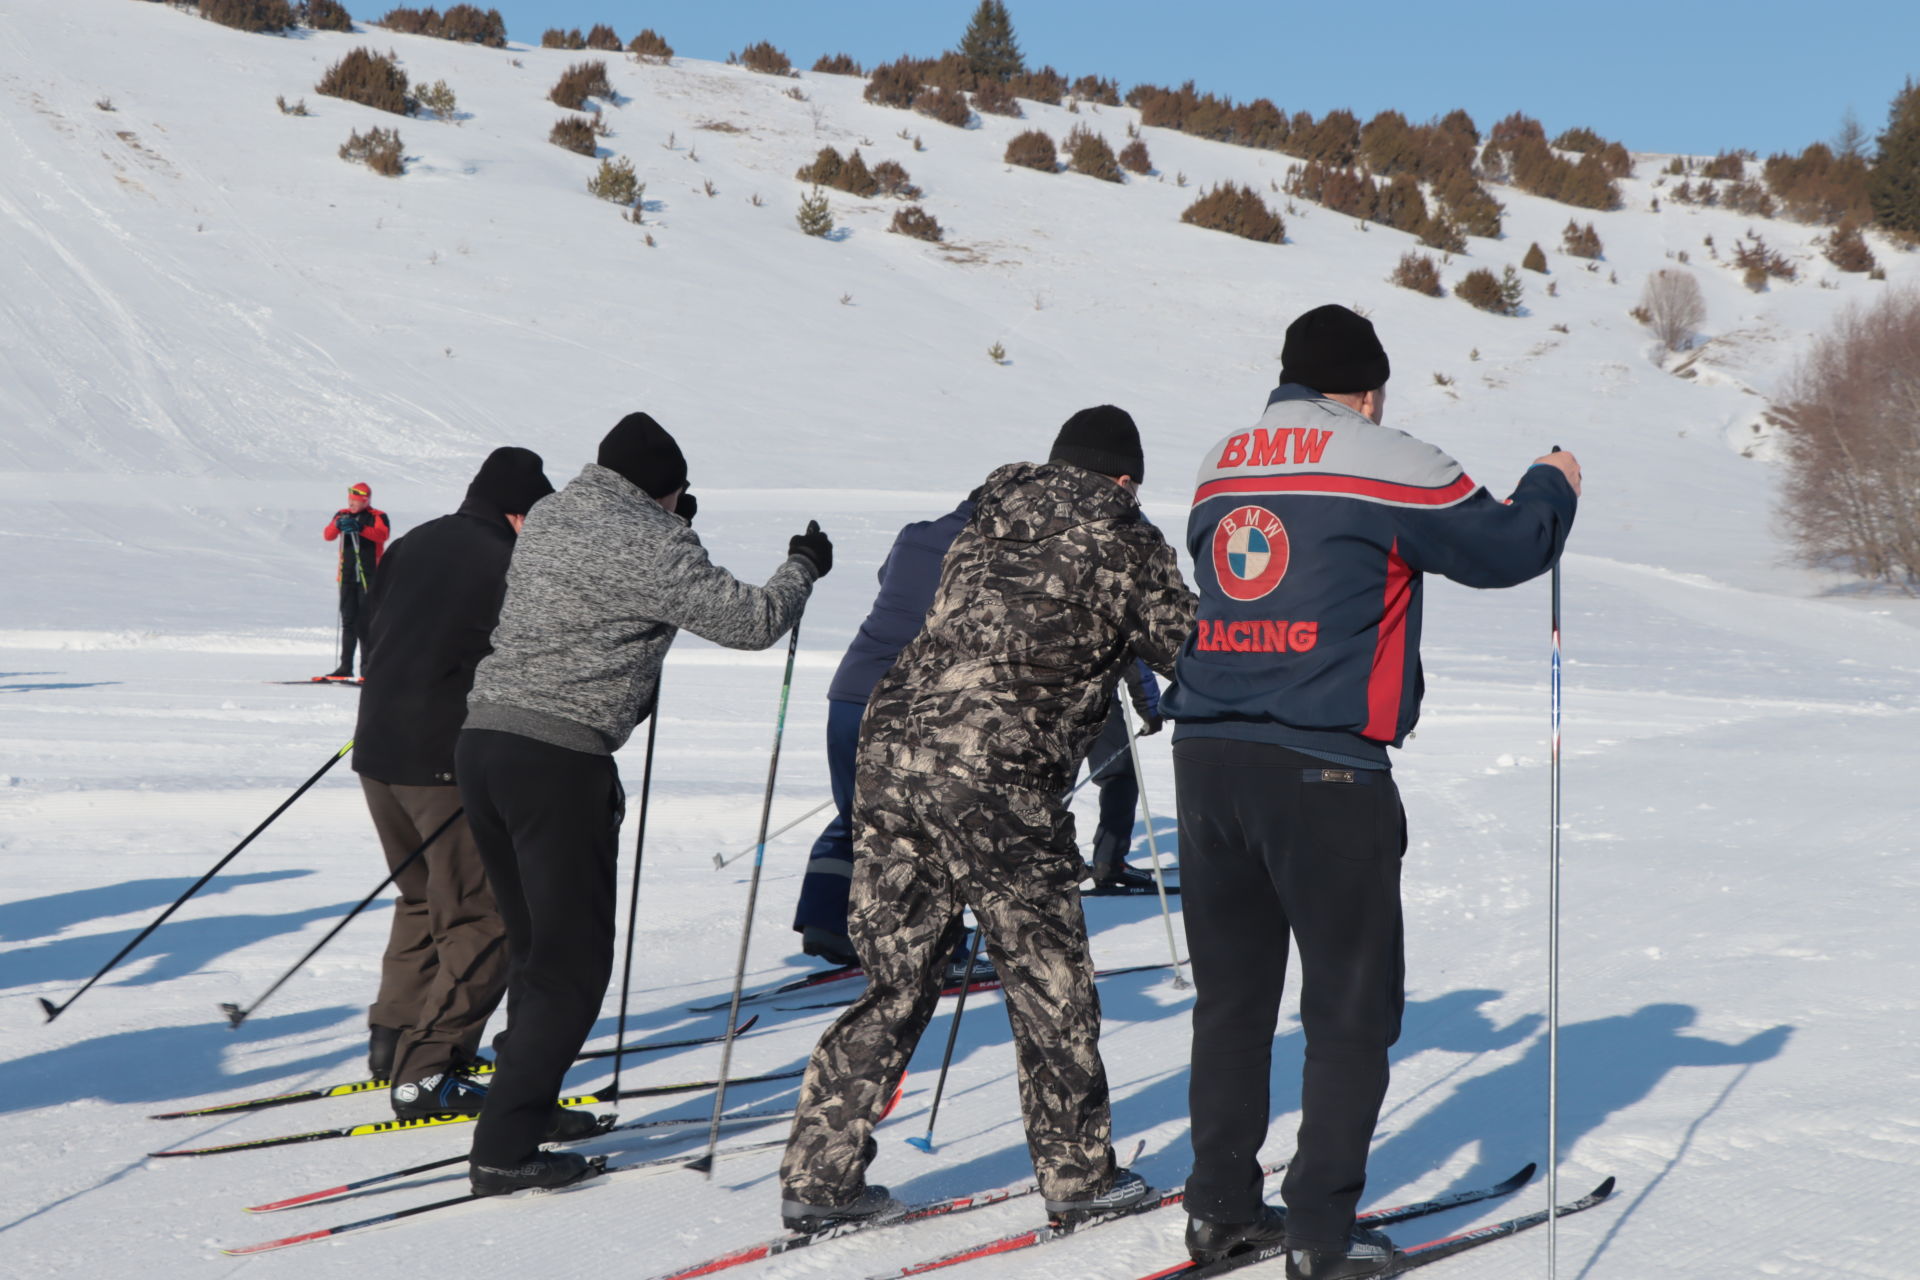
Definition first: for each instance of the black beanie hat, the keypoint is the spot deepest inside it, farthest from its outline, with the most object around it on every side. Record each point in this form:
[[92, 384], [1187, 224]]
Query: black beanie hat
[[1101, 439], [641, 450], [1334, 351], [512, 479]]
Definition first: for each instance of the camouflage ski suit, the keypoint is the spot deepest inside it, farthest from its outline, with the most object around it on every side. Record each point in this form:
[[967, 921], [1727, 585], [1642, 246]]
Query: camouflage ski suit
[[966, 748]]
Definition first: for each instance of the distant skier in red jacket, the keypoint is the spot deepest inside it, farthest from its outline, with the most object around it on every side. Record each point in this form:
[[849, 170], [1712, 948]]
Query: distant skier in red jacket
[[366, 531]]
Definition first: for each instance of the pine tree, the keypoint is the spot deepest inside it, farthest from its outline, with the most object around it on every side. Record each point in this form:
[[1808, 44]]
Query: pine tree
[[816, 215], [989, 45], [1894, 186]]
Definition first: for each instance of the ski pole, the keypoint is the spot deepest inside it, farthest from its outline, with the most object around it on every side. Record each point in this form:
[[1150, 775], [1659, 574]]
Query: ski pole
[[705, 1163], [721, 864], [633, 898], [359, 567], [1153, 847], [236, 1015], [1553, 944], [54, 1011], [953, 1034]]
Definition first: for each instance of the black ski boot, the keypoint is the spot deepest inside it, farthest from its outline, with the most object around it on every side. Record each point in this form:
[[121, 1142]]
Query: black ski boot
[[445, 1092], [1368, 1253], [381, 1042], [541, 1171], [957, 971], [1211, 1241], [871, 1205], [1121, 878], [835, 948], [569, 1125], [1127, 1190]]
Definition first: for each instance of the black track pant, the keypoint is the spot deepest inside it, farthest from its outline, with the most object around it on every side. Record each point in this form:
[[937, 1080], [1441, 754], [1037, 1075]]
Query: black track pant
[[353, 600], [547, 821], [1273, 842]]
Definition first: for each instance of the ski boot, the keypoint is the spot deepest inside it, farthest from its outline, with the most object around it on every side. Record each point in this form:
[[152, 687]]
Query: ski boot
[[1126, 1190], [1368, 1253], [569, 1125], [445, 1092], [1212, 1241], [871, 1205], [541, 1171]]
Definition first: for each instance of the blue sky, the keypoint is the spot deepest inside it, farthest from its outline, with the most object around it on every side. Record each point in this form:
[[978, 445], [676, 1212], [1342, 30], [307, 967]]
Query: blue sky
[[1681, 75]]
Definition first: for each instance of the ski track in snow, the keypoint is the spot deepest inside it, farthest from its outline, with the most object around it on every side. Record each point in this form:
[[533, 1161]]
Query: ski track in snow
[[210, 325]]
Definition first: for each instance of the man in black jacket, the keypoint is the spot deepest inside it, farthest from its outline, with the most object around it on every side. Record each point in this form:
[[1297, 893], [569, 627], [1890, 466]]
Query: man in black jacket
[[430, 620]]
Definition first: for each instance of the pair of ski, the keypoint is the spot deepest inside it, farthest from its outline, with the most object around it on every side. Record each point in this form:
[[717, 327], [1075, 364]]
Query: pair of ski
[[434, 1122], [598, 1167], [1052, 1231], [478, 1069], [984, 984]]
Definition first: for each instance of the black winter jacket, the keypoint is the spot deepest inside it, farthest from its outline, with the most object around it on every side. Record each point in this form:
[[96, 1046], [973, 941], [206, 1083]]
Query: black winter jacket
[[429, 621]]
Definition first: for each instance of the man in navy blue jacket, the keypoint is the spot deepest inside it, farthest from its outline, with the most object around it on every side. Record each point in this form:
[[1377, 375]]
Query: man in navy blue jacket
[[908, 578], [1311, 533]]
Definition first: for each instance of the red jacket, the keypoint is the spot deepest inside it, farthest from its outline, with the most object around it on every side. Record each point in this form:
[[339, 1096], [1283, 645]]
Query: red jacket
[[373, 533]]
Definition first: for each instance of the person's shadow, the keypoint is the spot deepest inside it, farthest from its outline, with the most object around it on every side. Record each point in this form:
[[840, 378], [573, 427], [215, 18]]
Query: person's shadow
[[56, 912], [1606, 1065]]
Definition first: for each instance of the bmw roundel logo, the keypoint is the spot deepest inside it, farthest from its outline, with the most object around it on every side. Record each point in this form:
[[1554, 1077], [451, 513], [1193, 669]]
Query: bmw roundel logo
[[1249, 553]]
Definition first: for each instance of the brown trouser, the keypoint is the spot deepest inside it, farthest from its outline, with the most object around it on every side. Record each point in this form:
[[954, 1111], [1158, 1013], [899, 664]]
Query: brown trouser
[[446, 963]]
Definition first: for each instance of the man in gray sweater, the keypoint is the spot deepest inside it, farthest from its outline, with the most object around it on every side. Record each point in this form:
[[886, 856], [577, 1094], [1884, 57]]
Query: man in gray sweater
[[605, 574]]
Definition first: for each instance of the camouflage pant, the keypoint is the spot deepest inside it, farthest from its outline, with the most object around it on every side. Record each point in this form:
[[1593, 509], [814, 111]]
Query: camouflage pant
[[927, 846]]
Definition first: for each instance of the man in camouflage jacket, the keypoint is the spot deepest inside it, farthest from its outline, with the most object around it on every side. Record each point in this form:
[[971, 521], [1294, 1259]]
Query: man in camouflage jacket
[[968, 743]]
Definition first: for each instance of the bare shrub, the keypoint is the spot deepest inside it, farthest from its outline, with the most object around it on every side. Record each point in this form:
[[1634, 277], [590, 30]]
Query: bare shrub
[[573, 133], [603, 37], [1088, 153], [616, 182], [916, 222], [462, 22], [1033, 150], [1442, 233], [1134, 157], [1535, 260], [1237, 210], [1418, 272], [1847, 249], [1853, 457], [1581, 242], [837, 64], [370, 79], [249, 15], [325, 15], [1045, 85], [1579, 138], [579, 82], [995, 99], [894, 180], [948, 106], [298, 108], [764, 58], [1673, 307], [1819, 186], [650, 46], [855, 178], [379, 149], [555, 38], [824, 171], [1096, 89]]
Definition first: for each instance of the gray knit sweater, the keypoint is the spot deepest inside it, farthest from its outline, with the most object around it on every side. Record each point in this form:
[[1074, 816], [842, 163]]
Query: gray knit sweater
[[602, 580]]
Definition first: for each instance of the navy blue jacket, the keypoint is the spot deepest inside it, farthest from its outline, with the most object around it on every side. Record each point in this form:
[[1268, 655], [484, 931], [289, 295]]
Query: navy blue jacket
[[1310, 535], [908, 578]]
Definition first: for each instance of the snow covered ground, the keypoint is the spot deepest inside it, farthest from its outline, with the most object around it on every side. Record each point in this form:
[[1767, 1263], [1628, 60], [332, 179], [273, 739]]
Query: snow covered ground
[[209, 325]]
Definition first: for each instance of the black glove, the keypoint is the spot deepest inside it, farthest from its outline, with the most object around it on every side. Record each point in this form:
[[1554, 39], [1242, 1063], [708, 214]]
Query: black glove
[[685, 506], [1151, 722], [815, 546], [346, 522]]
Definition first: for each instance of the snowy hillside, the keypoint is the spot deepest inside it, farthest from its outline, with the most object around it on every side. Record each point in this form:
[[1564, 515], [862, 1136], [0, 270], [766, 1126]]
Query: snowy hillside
[[210, 325]]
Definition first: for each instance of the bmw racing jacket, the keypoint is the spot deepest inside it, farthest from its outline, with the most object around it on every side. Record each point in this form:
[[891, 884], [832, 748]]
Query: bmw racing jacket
[[1310, 535]]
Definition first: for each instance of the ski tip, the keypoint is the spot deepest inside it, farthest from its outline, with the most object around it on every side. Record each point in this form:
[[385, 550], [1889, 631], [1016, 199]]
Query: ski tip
[[1523, 1177], [52, 1009], [702, 1165], [719, 863], [743, 1027], [921, 1144], [235, 1014], [1604, 1190]]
